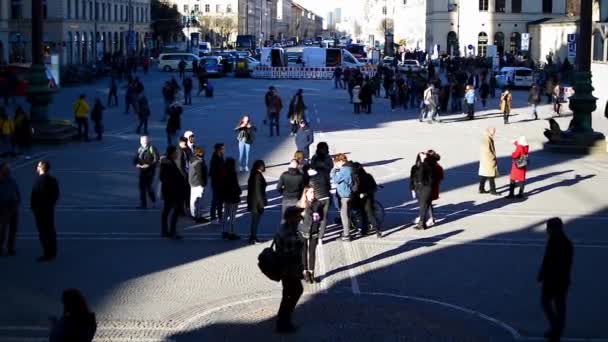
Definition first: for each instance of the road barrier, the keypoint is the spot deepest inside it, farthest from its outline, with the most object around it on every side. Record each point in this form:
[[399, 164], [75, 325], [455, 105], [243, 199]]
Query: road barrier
[[302, 72]]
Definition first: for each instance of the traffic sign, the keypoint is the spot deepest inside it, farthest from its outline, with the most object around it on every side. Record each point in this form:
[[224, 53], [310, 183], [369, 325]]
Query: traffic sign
[[572, 45], [525, 42]]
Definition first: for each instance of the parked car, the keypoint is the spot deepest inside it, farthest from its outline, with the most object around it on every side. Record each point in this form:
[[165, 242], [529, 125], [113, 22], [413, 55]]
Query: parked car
[[410, 65], [213, 65], [170, 61], [308, 42]]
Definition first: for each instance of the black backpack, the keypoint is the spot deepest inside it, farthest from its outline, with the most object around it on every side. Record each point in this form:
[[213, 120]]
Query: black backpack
[[269, 263]]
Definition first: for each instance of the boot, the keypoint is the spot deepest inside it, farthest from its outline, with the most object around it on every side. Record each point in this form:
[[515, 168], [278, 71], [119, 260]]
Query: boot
[[511, 190]]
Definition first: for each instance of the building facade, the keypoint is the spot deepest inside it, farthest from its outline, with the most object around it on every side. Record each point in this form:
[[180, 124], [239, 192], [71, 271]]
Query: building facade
[[468, 27], [599, 53], [255, 18], [4, 31], [208, 20], [305, 24], [281, 19], [79, 31]]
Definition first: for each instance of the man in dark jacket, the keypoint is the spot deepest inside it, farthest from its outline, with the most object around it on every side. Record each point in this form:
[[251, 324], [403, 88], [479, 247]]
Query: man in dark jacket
[[146, 160], [216, 166], [290, 185], [321, 184], [187, 83], [45, 194], [554, 276], [304, 138], [423, 177], [256, 197], [366, 199], [173, 191], [289, 247], [10, 199], [197, 177], [143, 113]]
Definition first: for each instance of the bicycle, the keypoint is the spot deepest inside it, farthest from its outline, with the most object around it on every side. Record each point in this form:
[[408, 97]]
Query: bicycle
[[356, 218]]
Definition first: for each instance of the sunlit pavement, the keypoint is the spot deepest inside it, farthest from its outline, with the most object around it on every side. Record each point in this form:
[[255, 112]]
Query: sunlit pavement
[[471, 277]]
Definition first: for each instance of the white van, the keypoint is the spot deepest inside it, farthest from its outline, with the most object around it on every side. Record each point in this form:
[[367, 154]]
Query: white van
[[273, 57], [515, 77], [170, 61], [329, 57]]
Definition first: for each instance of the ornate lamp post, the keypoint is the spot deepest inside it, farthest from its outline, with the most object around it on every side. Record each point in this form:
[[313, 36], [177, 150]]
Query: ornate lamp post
[[38, 94]]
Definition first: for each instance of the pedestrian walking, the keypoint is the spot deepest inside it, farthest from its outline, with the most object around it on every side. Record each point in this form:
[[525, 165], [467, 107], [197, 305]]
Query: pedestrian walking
[[173, 190], [557, 98], [113, 93], [231, 197], [289, 247], [216, 173], [534, 100], [274, 105], [433, 158], [77, 323], [45, 193], [309, 230], [143, 113], [506, 101], [431, 101], [81, 114], [256, 198], [97, 118], [421, 186], [290, 185], [488, 164], [7, 132], [519, 166], [187, 84], [469, 101], [304, 138], [173, 122], [245, 135], [197, 177], [342, 175], [10, 200], [554, 277], [23, 132], [366, 94], [181, 66], [297, 110], [146, 160], [357, 99]]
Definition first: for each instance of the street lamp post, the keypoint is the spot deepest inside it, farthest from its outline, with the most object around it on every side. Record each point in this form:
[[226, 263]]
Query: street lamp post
[[38, 94]]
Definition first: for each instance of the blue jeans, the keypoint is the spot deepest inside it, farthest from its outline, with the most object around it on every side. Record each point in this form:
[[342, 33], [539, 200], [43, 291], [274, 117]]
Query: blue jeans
[[243, 153]]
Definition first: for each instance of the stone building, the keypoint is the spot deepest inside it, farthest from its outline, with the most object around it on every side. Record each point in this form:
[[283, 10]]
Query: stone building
[[304, 23]]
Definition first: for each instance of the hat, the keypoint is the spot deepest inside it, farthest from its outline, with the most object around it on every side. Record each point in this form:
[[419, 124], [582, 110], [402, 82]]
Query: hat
[[188, 134], [522, 141]]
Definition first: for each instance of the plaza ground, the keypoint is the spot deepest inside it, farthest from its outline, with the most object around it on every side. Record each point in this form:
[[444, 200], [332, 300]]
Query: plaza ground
[[470, 278]]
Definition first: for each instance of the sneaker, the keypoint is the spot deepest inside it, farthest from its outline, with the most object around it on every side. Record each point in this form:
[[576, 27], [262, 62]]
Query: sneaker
[[233, 237], [379, 235], [417, 220], [430, 222], [246, 169], [345, 239]]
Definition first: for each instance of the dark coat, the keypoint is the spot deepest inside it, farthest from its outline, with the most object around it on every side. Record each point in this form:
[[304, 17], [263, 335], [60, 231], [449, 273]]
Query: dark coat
[[45, 193], [322, 163], [309, 227], [289, 246], [321, 185], [74, 329], [422, 177], [291, 184], [256, 192], [215, 169], [197, 173], [230, 190], [174, 123], [173, 185], [554, 272]]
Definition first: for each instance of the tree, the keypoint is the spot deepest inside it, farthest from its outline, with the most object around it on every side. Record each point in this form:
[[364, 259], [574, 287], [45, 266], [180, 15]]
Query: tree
[[386, 25], [166, 20]]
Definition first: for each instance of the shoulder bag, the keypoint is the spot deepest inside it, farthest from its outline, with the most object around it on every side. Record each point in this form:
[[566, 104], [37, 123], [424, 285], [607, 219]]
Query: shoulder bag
[[269, 263]]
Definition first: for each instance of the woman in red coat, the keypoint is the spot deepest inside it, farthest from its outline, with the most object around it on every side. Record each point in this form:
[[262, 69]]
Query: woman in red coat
[[519, 167]]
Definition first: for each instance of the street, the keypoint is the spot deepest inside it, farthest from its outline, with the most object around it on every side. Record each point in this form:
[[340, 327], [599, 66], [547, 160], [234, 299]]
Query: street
[[472, 277]]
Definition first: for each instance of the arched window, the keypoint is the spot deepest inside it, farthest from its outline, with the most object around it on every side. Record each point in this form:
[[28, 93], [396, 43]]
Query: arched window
[[482, 44], [452, 45], [499, 41], [598, 46], [515, 43], [483, 5]]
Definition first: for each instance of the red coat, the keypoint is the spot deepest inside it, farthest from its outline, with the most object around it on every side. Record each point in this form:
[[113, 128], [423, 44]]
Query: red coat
[[517, 174], [438, 179]]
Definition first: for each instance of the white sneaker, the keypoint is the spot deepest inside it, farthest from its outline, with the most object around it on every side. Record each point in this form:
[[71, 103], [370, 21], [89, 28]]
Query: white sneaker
[[417, 220], [430, 222], [246, 169]]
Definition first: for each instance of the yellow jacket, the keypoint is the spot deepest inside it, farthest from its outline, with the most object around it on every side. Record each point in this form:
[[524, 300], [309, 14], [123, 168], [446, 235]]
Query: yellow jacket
[[7, 127], [81, 109]]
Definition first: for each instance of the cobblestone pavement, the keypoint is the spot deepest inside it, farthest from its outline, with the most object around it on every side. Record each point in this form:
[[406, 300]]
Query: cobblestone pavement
[[470, 278]]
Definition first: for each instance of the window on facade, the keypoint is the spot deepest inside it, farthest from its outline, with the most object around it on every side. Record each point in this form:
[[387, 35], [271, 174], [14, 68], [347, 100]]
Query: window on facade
[[500, 6], [218, 8], [45, 10], [16, 9], [115, 12], [516, 6], [207, 8], [228, 8], [186, 8], [452, 44], [122, 14], [598, 46], [91, 10], [103, 11], [69, 9], [515, 43], [483, 5], [482, 44], [76, 12], [96, 11], [384, 10], [547, 6], [499, 41]]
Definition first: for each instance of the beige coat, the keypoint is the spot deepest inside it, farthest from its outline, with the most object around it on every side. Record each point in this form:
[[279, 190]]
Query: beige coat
[[488, 166]]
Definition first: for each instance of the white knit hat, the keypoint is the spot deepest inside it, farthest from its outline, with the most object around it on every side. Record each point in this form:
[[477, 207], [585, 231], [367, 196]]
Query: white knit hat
[[188, 134], [522, 141]]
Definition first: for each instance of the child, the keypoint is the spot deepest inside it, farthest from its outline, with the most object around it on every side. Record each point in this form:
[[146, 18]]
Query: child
[[506, 100]]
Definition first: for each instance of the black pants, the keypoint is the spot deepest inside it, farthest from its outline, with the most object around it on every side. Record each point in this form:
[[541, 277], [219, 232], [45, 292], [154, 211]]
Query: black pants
[[143, 122], [45, 222], [357, 108], [256, 217], [482, 184], [98, 127], [323, 224], [292, 290], [554, 305], [309, 253], [187, 97], [424, 203], [216, 204], [505, 117], [11, 222], [83, 128], [273, 123], [145, 187], [112, 96], [512, 185], [470, 110], [175, 208], [369, 217], [286, 203]]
